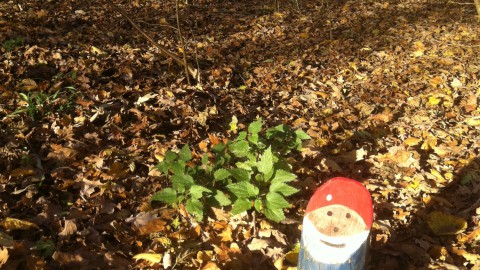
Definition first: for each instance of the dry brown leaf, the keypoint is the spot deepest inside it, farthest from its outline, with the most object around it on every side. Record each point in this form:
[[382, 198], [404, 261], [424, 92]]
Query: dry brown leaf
[[226, 235], [69, 228], [28, 85], [24, 171], [473, 235], [258, 244], [152, 226]]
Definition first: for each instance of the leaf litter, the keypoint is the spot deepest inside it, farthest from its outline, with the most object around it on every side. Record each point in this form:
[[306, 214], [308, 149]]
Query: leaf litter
[[388, 92]]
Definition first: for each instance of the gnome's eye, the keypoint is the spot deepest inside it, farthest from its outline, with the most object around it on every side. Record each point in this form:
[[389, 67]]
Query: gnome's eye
[[348, 215], [329, 213]]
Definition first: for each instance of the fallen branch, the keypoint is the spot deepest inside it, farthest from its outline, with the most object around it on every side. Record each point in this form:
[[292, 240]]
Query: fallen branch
[[164, 51]]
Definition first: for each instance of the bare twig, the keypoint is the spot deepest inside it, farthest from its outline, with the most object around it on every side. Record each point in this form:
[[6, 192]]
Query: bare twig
[[164, 51], [182, 41]]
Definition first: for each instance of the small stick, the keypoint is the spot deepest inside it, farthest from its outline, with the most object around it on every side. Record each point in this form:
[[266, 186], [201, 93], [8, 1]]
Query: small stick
[[164, 51], [182, 42]]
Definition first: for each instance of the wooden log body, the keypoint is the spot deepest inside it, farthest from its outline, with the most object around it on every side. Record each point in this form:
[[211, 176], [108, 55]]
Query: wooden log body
[[336, 227]]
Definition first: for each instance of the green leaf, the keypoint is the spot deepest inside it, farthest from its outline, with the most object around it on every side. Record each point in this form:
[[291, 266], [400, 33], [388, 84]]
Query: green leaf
[[185, 154], [205, 159], [258, 204], [196, 191], [240, 148], [166, 195], [241, 136], [218, 148], [244, 165], [195, 207], [240, 175], [274, 214], [170, 156], [182, 180], [222, 199], [302, 135], [253, 138], [265, 165], [283, 189], [178, 167], [243, 189], [282, 176], [241, 205], [256, 126], [47, 248], [275, 200], [163, 167], [221, 174]]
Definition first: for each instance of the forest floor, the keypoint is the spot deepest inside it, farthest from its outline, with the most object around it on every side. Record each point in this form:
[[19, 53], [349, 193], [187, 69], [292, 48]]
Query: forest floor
[[387, 90]]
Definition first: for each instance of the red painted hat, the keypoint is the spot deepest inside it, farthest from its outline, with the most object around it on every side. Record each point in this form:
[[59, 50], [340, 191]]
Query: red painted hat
[[346, 192]]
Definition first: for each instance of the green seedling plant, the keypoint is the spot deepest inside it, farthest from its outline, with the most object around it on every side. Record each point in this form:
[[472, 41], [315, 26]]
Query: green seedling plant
[[249, 172], [11, 44]]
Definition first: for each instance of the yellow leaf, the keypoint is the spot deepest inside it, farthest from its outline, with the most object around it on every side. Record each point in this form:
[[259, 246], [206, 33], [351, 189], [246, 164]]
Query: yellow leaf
[[412, 141], [292, 255], [211, 266], [433, 101], [28, 85], [96, 50], [17, 224], [149, 257], [473, 121], [278, 263], [437, 175], [304, 35], [22, 172], [233, 124], [445, 224], [3, 256], [429, 143], [163, 21], [418, 53]]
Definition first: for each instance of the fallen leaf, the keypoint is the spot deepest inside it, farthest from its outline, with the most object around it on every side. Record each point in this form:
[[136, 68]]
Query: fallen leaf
[[152, 226], [473, 121], [412, 141], [211, 266], [292, 255], [3, 256], [445, 224], [28, 85], [69, 228], [149, 257], [258, 244], [6, 240], [456, 83], [17, 224], [24, 171]]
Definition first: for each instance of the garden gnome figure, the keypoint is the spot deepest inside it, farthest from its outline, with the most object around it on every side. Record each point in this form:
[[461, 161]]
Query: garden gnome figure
[[336, 226]]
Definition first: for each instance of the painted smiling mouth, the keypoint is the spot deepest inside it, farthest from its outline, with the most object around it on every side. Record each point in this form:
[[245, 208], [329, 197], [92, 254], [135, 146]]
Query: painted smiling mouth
[[333, 245]]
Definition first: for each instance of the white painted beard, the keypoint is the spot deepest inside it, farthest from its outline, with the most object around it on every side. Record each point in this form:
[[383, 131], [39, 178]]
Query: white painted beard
[[328, 249]]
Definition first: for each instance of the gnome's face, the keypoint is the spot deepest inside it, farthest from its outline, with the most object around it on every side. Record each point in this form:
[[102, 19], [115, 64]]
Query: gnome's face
[[333, 233], [337, 220]]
